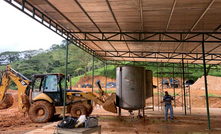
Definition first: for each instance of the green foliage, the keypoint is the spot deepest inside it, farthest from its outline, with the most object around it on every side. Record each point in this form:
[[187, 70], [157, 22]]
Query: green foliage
[[9, 57], [163, 94], [108, 91], [79, 64], [49, 61], [213, 95]]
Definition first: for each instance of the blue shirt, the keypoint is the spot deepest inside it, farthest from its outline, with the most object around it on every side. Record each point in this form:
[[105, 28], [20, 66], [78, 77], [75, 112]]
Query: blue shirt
[[167, 99]]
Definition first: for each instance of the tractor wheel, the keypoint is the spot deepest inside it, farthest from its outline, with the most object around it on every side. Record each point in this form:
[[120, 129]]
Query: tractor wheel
[[41, 111], [78, 110]]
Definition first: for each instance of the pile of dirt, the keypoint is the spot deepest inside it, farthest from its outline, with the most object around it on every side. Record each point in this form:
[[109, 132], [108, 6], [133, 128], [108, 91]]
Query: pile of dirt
[[213, 83], [88, 79], [13, 119], [15, 97]]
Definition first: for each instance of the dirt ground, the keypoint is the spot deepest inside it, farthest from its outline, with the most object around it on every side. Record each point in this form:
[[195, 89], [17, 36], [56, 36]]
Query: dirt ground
[[14, 122], [155, 123], [88, 79]]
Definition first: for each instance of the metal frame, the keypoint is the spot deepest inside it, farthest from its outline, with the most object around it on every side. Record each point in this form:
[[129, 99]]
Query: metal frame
[[184, 95], [77, 39], [160, 55], [65, 86], [79, 5], [151, 36], [73, 37], [40, 17], [154, 64]]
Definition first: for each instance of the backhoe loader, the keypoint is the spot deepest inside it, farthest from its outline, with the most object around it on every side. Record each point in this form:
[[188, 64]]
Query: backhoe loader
[[45, 98]]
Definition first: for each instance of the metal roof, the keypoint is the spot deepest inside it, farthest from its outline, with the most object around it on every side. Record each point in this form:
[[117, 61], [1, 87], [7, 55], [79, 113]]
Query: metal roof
[[135, 30]]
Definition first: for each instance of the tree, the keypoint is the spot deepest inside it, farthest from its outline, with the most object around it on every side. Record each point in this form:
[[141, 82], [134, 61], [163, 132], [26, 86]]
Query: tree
[[54, 47], [9, 57], [81, 56]]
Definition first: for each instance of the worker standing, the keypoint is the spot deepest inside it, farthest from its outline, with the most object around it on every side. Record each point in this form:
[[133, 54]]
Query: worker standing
[[167, 99]]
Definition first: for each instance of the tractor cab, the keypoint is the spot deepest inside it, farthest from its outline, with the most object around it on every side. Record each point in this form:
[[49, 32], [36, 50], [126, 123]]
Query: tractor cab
[[50, 84]]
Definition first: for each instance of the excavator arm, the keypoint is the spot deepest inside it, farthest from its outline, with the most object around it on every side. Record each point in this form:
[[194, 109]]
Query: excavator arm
[[6, 99], [108, 104], [22, 83]]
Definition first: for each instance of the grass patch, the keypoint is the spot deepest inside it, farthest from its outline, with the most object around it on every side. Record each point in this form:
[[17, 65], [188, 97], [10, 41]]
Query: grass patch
[[213, 95], [163, 94], [177, 94], [108, 91], [111, 72]]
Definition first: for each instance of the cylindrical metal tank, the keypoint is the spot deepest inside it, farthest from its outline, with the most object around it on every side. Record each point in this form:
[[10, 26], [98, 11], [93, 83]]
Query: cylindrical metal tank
[[149, 83], [131, 87]]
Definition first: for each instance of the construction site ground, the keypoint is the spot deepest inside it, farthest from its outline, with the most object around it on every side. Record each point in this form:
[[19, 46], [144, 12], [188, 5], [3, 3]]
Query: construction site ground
[[12, 121], [154, 122]]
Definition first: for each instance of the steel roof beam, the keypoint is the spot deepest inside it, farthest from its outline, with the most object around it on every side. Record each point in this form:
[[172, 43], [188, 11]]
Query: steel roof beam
[[114, 17], [52, 25], [209, 52], [79, 5], [216, 30], [152, 36], [197, 21], [168, 22], [68, 20], [153, 64], [141, 22], [160, 55]]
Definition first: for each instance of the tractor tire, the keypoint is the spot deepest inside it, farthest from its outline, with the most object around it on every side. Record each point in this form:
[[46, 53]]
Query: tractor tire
[[41, 111], [78, 110]]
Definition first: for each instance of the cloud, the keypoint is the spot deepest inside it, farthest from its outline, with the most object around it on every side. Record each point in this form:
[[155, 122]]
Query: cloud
[[19, 32]]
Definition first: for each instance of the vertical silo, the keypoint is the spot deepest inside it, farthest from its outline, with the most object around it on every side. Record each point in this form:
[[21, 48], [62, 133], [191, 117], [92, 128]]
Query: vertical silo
[[131, 87]]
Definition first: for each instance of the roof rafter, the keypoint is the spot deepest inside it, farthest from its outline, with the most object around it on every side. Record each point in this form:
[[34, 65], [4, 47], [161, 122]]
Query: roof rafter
[[79, 5], [52, 25], [168, 22], [72, 23], [114, 17], [195, 24]]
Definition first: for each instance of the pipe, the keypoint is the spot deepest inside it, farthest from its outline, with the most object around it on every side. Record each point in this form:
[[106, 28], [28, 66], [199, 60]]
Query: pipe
[[158, 89], [65, 86], [93, 74], [174, 88], [205, 79], [184, 87], [106, 78]]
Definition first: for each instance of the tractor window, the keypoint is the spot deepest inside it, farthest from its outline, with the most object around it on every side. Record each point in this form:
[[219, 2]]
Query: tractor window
[[51, 83], [62, 83], [37, 85]]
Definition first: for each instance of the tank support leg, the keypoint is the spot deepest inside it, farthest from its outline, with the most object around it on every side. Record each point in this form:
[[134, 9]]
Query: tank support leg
[[143, 112], [119, 112], [139, 113]]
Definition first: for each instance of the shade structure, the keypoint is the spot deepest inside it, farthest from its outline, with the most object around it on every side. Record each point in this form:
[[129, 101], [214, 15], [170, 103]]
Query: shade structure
[[134, 30]]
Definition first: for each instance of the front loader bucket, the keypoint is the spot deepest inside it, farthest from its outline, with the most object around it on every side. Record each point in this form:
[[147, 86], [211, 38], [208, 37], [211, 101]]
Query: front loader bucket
[[109, 104], [7, 101]]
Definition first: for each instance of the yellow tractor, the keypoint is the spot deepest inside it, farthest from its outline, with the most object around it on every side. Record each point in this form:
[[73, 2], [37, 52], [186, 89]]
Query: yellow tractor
[[45, 98]]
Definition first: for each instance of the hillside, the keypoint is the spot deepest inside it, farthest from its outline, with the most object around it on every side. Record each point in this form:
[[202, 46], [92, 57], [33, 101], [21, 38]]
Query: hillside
[[48, 61], [194, 73], [80, 64]]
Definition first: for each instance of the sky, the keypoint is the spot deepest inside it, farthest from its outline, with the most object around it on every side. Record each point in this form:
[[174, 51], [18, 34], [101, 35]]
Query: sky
[[19, 32]]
